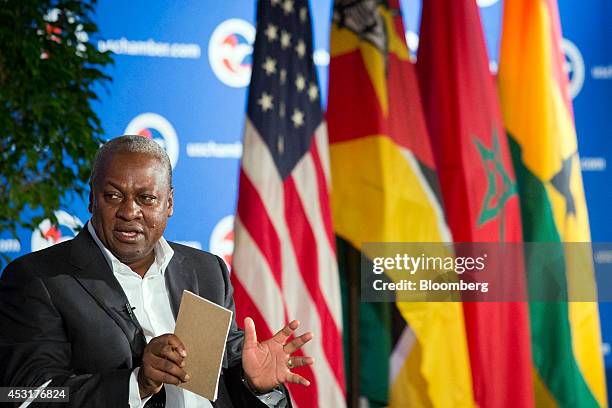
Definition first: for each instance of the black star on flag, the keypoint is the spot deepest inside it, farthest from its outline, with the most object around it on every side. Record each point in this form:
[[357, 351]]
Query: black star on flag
[[561, 182]]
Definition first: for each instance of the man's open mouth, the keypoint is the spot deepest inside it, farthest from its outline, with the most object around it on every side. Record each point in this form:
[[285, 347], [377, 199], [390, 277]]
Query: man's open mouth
[[127, 235]]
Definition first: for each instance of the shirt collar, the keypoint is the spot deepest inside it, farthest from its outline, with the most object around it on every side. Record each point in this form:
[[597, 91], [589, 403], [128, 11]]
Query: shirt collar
[[163, 253]]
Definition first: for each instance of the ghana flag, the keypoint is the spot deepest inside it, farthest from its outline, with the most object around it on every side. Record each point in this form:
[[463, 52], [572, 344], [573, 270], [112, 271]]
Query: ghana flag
[[384, 189], [478, 188], [538, 118]]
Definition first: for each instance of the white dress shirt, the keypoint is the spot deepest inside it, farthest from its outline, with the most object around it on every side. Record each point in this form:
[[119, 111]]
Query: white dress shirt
[[150, 299]]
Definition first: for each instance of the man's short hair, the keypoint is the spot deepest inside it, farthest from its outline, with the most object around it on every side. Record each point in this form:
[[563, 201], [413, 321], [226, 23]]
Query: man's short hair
[[130, 144]]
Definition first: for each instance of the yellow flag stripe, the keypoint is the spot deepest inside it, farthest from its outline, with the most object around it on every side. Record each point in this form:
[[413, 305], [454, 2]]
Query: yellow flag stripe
[[389, 201]]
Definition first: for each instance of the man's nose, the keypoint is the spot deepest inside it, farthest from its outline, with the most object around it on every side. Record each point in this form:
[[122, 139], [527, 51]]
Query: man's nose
[[129, 210]]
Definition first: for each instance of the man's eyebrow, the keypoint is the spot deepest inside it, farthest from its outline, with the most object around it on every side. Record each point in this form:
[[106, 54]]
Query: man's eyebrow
[[115, 185], [140, 189]]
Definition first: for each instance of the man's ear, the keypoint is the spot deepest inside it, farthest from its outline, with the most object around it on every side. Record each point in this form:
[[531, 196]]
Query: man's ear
[[171, 202]]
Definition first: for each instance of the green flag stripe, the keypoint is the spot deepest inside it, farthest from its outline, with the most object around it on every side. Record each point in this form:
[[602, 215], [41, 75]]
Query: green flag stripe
[[551, 338], [375, 343]]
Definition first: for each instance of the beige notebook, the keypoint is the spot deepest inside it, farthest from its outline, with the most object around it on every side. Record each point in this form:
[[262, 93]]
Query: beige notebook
[[203, 327]]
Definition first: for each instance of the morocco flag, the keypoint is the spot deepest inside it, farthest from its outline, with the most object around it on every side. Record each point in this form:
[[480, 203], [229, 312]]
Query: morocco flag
[[478, 188]]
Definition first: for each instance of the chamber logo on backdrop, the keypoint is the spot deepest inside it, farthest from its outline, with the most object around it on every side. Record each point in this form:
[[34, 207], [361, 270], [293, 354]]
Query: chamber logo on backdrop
[[150, 48], [412, 41], [486, 3], [10, 245], [48, 234], [229, 52], [156, 127], [574, 66], [222, 239]]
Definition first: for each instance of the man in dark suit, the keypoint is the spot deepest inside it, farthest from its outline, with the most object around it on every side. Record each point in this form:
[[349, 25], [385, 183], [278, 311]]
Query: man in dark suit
[[94, 314]]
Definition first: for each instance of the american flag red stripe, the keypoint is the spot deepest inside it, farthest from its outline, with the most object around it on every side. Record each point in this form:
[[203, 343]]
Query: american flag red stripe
[[323, 184], [263, 331], [303, 238], [263, 297], [259, 225]]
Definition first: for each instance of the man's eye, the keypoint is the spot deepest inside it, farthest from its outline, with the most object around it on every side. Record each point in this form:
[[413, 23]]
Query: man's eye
[[112, 196], [147, 199]]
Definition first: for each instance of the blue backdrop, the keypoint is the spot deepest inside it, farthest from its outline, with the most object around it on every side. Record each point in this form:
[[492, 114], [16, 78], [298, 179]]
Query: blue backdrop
[[180, 76]]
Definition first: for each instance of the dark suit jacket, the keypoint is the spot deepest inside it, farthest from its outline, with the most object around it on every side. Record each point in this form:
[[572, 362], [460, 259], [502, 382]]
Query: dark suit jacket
[[63, 316]]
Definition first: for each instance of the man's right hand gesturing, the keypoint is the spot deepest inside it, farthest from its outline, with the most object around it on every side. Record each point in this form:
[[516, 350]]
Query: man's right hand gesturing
[[162, 363]]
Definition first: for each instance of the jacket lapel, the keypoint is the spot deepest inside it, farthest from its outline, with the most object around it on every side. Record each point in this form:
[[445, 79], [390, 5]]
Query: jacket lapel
[[180, 275], [96, 277]]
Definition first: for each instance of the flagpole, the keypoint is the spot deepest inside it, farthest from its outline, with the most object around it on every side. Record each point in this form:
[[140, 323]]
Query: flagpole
[[354, 293]]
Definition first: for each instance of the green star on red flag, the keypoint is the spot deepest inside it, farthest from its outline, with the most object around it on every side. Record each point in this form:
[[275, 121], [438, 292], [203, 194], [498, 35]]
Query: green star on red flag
[[497, 195]]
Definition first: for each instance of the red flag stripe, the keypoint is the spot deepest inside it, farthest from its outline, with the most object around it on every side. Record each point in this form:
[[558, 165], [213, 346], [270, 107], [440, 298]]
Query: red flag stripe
[[327, 279], [322, 184], [307, 257], [259, 166], [255, 219], [248, 308], [253, 271]]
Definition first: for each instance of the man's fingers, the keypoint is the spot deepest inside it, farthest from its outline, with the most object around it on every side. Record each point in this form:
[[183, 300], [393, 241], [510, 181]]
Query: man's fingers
[[286, 331], [300, 361], [169, 367], [162, 361], [297, 379], [158, 344], [250, 335], [171, 353], [298, 342], [176, 343], [159, 376]]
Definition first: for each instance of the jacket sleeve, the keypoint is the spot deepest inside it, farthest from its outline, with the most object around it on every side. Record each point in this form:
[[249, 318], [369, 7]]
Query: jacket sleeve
[[235, 338], [35, 347]]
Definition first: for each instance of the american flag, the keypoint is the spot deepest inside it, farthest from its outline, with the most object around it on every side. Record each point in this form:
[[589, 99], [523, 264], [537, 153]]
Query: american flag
[[284, 264]]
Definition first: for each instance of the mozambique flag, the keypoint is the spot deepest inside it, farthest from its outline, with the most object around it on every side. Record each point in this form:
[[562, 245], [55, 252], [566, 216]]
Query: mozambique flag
[[538, 118], [385, 189], [478, 188]]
